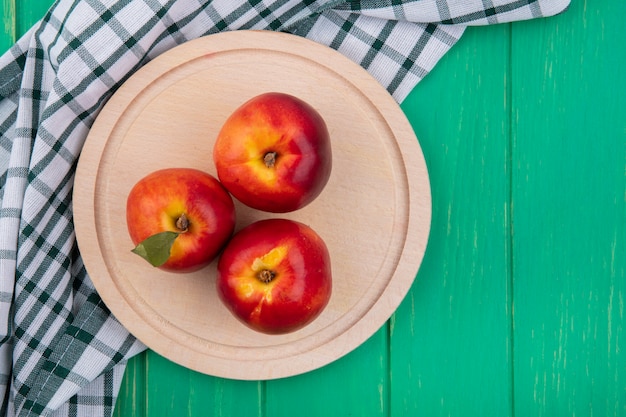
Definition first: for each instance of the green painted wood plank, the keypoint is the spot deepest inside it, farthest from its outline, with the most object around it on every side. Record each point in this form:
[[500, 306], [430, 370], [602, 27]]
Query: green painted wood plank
[[451, 348], [172, 390], [28, 13], [569, 188], [355, 385], [132, 399], [17, 17], [8, 22]]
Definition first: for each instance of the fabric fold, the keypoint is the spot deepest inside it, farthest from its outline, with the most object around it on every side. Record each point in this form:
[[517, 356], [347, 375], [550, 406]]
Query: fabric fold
[[62, 352]]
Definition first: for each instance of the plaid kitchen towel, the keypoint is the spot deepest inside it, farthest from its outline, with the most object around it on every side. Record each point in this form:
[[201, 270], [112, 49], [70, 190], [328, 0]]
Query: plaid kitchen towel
[[61, 351]]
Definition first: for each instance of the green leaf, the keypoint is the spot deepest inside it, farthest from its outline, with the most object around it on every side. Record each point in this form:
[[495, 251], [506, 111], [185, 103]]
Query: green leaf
[[156, 248]]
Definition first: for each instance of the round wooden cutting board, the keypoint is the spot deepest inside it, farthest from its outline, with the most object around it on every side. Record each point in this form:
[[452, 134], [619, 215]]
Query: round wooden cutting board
[[374, 214]]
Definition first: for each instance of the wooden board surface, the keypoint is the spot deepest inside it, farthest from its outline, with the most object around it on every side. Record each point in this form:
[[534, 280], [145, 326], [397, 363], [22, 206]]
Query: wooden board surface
[[374, 213], [518, 309]]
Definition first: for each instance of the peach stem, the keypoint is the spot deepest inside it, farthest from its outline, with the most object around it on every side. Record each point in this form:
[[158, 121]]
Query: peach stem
[[182, 223], [270, 159], [266, 275]]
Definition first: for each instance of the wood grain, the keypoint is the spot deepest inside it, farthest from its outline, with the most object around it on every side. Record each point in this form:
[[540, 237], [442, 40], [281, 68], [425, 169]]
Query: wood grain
[[8, 19], [451, 339], [569, 217], [357, 384], [17, 17], [189, 393]]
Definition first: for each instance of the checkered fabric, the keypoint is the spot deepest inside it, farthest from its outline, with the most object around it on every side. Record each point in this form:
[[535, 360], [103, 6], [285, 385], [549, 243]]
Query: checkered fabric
[[61, 351]]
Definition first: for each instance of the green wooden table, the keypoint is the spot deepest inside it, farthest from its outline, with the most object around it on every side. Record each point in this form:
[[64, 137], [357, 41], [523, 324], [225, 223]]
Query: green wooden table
[[518, 308]]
